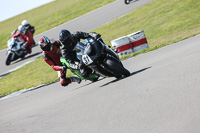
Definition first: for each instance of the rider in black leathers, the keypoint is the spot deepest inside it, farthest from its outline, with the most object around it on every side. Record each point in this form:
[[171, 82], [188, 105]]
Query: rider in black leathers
[[68, 51]]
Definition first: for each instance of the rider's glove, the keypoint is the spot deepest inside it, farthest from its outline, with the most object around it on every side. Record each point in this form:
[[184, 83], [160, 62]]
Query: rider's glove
[[74, 65], [95, 35], [81, 65], [64, 68]]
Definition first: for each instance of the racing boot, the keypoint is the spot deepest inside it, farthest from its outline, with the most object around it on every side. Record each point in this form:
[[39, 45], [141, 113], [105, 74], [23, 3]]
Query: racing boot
[[95, 79], [75, 79]]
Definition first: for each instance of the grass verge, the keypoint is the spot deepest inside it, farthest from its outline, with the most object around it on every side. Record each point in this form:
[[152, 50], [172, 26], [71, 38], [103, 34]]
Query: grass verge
[[163, 21]]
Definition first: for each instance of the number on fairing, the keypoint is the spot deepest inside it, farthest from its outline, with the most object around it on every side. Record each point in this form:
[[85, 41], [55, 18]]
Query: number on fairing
[[86, 59]]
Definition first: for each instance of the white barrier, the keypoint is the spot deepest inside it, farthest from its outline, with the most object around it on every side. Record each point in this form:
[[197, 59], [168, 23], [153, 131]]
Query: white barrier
[[123, 45], [138, 41], [131, 43]]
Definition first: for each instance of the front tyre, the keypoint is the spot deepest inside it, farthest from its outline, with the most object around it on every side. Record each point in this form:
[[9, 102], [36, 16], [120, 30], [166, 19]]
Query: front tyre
[[115, 66], [8, 59], [127, 1]]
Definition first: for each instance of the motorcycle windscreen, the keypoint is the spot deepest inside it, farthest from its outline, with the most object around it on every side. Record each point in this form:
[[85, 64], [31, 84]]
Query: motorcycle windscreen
[[80, 47]]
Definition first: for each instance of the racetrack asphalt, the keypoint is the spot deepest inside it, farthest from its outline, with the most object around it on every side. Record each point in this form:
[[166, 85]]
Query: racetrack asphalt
[[161, 96]]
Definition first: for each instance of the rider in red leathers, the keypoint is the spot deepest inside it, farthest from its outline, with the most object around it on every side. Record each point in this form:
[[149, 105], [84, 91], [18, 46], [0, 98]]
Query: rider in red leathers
[[26, 36], [51, 55], [29, 28]]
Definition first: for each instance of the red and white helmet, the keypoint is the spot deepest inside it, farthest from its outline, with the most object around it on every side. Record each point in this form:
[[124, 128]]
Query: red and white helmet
[[45, 44]]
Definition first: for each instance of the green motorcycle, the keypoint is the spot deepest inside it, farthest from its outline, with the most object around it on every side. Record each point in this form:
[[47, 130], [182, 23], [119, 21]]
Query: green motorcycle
[[93, 77]]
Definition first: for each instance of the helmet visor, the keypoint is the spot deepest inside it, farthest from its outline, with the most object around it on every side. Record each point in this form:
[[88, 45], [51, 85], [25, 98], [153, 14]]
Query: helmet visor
[[45, 46]]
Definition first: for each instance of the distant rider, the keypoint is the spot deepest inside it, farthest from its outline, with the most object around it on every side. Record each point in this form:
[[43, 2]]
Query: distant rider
[[26, 37], [51, 55], [30, 28], [69, 42]]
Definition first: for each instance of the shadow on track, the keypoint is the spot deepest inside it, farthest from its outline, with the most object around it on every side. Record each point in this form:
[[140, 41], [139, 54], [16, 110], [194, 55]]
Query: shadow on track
[[113, 81], [132, 1], [27, 57], [133, 73], [89, 83]]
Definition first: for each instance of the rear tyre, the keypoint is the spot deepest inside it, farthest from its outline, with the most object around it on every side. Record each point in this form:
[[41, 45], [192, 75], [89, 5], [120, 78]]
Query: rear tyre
[[8, 60]]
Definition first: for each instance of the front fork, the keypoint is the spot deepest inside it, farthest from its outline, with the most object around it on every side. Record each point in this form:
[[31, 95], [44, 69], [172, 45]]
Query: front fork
[[12, 54]]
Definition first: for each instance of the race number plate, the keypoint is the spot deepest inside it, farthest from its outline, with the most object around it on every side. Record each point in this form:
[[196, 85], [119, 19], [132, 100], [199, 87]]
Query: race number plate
[[86, 59]]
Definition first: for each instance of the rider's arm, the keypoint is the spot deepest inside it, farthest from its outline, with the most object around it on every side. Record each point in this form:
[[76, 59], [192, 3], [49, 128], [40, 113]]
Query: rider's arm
[[27, 40], [83, 35], [80, 35], [32, 29], [67, 54], [30, 37], [57, 43], [51, 63]]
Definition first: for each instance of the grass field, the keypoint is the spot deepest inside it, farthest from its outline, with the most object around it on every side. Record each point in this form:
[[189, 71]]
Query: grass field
[[163, 21], [49, 16]]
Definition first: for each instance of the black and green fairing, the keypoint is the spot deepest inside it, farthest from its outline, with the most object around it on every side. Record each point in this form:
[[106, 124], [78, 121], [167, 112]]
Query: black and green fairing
[[92, 77]]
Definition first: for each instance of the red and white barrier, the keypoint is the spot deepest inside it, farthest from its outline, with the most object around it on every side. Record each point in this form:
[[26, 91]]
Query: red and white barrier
[[131, 43], [138, 41], [122, 45]]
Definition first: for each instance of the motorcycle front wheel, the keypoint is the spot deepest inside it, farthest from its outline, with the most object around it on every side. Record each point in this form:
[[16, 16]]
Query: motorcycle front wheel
[[127, 1], [8, 59], [116, 66]]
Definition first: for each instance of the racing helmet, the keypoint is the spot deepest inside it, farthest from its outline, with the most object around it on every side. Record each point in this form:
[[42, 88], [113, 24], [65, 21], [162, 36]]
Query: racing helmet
[[66, 37], [25, 22], [45, 44], [22, 29]]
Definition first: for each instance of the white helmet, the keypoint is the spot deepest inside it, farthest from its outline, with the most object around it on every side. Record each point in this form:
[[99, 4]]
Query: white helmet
[[25, 22], [22, 29]]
